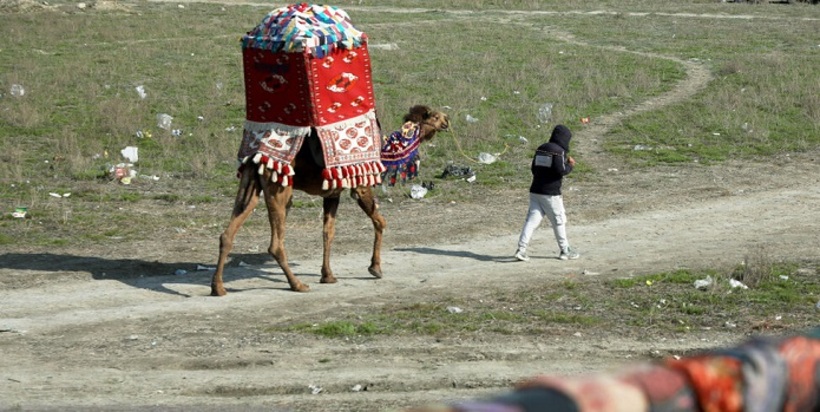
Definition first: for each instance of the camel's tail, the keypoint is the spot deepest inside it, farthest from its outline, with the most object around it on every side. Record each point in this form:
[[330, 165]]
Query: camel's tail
[[250, 186]]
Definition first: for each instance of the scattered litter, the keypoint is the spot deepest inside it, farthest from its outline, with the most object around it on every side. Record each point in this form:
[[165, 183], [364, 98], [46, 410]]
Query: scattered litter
[[639, 147], [418, 191], [454, 309], [483, 99], [203, 267], [516, 92], [457, 171], [164, 121], [19, 212], [123, 172], [589, 273], [471, 119], [577, 334], [703, 283], [60, 196], [315, 390], [141, 91], [612, 169], [356, 388], [180, 272], [152, 177], [230, 128], [17, 90], [784, 277], [176, 132], [471, 179], [200, 118], [585, 120], [545, 113], [143, 135], [715, 134], [130, 153], [429, 185], [523, 139], [737, 284], [486, 158], [730, 324]]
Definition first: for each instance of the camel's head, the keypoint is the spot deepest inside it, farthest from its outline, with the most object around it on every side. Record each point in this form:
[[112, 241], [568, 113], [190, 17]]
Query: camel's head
[[431, 121]]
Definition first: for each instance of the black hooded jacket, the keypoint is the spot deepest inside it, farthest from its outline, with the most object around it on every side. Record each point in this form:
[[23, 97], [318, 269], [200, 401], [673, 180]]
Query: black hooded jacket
[[547, 180]]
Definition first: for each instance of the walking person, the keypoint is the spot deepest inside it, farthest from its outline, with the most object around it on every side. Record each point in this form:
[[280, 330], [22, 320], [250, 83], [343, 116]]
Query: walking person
[[549, 166]]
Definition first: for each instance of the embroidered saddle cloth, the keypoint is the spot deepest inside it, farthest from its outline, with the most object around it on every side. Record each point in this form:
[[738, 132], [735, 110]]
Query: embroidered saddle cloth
[[400, 154]]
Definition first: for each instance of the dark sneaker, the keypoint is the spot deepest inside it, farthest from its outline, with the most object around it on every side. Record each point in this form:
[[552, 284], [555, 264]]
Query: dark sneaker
[[569, 254], [521, 255]]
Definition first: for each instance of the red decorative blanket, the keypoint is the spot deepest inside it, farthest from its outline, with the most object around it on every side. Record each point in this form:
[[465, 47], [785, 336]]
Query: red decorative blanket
[[306, 67]]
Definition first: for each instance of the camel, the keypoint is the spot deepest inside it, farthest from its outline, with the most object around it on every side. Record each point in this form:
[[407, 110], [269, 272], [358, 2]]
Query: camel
[[308, 166]]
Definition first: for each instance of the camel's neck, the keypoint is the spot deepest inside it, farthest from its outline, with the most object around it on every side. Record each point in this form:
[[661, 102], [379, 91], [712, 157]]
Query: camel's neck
[[426, 132]]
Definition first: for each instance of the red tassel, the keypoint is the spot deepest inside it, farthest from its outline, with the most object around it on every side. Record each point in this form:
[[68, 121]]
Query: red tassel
[[326, 175]]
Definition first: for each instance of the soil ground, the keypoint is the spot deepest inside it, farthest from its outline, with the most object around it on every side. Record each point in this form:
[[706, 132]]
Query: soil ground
[[113, 328]]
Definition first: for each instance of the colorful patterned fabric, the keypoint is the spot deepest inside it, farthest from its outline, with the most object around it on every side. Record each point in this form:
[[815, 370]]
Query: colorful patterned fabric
[[761, 375], [312, 28], [306, 67], [400, 154]]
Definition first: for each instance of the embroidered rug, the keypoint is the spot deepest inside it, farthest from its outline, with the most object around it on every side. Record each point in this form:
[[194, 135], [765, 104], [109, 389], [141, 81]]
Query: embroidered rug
[[400, 154], [306, 67]]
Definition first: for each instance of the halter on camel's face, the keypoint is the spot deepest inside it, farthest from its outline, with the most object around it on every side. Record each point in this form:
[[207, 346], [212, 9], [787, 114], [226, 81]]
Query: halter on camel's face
[[438, 121]]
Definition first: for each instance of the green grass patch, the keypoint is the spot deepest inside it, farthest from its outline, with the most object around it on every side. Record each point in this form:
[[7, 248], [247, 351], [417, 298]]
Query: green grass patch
[[667, 302]]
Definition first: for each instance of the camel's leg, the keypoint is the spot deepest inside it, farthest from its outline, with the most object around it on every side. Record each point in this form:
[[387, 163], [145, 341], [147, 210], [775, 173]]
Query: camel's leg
[[330, 205], [277, 199], [247, 198], [367, 201]]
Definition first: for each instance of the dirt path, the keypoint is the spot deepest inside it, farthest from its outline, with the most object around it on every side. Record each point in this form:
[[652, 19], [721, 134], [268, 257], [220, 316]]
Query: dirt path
[[114, 328]]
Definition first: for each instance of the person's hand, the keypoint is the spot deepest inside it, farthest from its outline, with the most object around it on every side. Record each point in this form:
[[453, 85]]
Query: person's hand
[[571, 161]]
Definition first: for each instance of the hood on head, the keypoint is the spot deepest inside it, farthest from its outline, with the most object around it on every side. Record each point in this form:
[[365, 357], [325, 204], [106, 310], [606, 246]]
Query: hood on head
[[561, 136]]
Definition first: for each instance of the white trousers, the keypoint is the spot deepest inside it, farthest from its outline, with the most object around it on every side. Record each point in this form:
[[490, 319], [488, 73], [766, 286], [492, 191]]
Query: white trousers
[[553, 208]]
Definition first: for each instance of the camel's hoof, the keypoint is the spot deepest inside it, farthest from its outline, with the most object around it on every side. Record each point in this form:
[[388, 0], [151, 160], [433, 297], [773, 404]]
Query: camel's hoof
[[327, 279], [301, 288], [215, 291], [375, 271]]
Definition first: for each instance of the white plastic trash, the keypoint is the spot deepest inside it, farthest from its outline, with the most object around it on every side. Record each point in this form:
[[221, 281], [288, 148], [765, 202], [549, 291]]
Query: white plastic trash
[[486, 158], [545, 113], [164, 121], [703, 283], [17, 90], [418, 191], [130, 153]]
